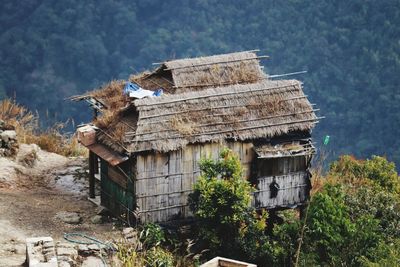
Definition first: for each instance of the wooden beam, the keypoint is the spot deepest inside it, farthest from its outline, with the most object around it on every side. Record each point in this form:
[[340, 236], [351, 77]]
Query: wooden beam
[[314, 120], [287, 90], [236, 121], [91, 174], [160, 63], [243, 91], [219, 62]]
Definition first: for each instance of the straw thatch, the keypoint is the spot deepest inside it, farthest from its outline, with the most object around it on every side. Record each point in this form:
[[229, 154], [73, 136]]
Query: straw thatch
[[114, 135], [152, 82], [212, 71], [239, 112], [285, 149], [111, 95], [207, 99]]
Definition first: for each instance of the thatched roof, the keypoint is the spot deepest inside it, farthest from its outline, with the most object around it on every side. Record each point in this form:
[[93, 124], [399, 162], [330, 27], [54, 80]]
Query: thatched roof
[[207, 99], [212, 71], [239, 112]]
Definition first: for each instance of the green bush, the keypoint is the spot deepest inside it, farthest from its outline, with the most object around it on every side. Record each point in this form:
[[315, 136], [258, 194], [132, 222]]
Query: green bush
[[377, 169], [159, 257], [382, 205], [221, 203], [353, 220], [151, 235], [333, 237]]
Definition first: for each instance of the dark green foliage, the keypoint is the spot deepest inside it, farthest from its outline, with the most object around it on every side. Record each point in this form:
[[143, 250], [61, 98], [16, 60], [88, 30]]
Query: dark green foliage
[[333, 236], [54, 49], [354, 220], [226, 222], [377, 169], [159, 257], [151, 235]]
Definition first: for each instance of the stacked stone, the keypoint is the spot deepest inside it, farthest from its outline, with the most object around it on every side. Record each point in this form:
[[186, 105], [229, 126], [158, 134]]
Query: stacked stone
[[40, 252], [131, 236], [8, 140], [74, 255]]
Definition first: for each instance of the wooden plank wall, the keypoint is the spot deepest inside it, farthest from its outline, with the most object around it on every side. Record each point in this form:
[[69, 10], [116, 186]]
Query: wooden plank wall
[[293, 190], [164, 180]]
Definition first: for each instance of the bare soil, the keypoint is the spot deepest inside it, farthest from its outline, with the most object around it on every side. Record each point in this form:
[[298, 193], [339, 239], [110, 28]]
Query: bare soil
[[30, 200]]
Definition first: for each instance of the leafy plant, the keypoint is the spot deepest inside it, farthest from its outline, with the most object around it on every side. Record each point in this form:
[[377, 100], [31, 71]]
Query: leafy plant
[[151, 235], [377, 170], [159, 257], [226, 221]]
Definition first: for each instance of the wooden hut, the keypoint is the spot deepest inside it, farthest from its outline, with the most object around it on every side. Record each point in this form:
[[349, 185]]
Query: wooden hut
[[148, 149]]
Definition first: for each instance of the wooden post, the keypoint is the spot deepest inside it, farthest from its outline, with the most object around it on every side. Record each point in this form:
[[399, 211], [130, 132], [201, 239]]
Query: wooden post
[[303, 211], [96, 164], [92, 158]]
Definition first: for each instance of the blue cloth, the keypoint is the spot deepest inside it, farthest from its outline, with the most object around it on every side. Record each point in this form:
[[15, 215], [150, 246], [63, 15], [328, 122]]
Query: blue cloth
[[135, 91], [131, 87], [158, 92]]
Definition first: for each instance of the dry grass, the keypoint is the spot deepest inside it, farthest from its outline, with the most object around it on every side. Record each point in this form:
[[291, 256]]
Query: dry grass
[[17, 117], [52, 140], [182, 126], [26, 124], [105, 119], [153, 82], [118, 132], [111, 94], [318, 178], [113, 97], [219, 74], [29, 158]]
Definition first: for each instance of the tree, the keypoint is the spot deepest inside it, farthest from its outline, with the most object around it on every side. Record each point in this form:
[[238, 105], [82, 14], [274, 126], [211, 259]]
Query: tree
[[226, 221]]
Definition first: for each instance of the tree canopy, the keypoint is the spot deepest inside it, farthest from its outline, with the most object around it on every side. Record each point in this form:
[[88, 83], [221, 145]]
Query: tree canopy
[[54, 49]]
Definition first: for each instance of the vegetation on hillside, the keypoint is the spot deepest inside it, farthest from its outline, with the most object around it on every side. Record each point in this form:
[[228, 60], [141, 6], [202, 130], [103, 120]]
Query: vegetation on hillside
[[353, 219], [54, 49]]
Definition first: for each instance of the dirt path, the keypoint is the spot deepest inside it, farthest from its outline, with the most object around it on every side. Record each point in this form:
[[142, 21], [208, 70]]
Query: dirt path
[[28, 209]]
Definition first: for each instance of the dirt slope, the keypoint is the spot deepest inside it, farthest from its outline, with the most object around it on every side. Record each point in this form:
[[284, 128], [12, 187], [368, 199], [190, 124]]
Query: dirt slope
[[31, 197]]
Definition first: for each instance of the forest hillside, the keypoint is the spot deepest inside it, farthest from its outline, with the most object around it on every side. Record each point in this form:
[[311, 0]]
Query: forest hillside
[[51, 50]]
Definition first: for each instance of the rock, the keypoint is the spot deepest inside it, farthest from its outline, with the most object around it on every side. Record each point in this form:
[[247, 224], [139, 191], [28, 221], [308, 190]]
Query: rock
[[64, 264], [97, 219], [69, 217], [40, 252], [66, 252], [92, 262], [62, 251], [130, 235], [83, 250], [102, 211], [127, 230], [8, 135], [94, 247]]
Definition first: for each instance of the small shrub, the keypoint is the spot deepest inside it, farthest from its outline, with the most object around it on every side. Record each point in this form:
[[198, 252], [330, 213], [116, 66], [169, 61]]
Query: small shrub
[[159, 257], [16, 116], [128, 256], [152, 235], [226, 222], [29, 158]]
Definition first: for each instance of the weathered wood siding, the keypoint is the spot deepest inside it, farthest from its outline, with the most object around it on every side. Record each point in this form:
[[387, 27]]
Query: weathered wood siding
[[159, 184], [293, 190], [164, 181], [117, 189], [289, 174]]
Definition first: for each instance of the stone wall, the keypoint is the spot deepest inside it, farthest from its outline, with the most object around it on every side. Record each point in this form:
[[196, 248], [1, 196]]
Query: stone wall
[[8, 140]]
